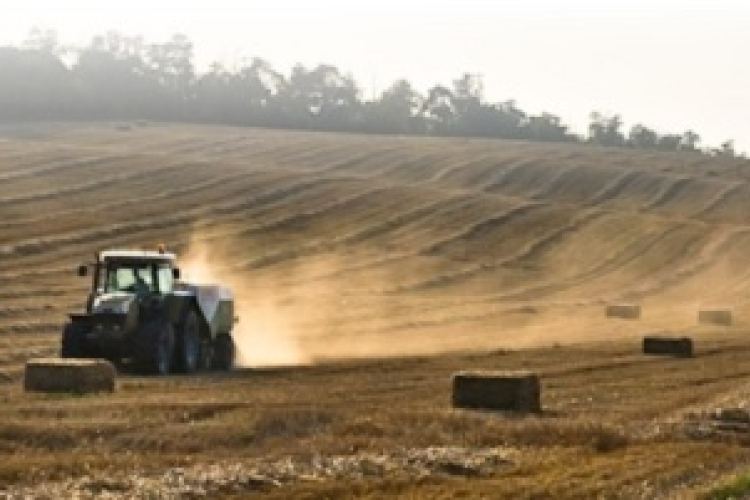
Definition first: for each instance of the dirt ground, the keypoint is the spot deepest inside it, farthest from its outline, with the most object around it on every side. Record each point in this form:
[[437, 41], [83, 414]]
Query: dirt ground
[[368, 270]]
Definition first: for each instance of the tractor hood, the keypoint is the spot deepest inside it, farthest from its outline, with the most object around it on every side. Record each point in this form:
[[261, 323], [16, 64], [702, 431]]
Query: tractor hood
[[113, 302]]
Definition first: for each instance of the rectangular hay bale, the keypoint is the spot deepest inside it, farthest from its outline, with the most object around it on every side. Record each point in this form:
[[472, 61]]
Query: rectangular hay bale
[[79, 376], [721, 317], [624, 311], [515, 391], [681, 347]]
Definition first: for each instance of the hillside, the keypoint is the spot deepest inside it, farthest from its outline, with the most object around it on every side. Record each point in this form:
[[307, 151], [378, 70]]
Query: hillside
[[356, 241], [343, 247]]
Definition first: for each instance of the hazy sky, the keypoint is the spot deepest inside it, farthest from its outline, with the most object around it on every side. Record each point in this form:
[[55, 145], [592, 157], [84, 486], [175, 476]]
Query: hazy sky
[[672, 65]]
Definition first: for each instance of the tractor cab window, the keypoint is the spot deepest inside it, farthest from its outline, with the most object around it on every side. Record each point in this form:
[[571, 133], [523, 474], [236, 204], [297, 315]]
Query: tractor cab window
[[133, 278], [165, 279]]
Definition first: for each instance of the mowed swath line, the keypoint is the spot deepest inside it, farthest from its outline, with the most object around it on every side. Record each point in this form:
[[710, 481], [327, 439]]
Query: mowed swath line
[[178, 221], [69, 172], [725, 279], [731, 206], [38, 172], [23, 160], [331, 223], [701, 261], [283, 214], [64, 191], [110, 210], [189, 166], [642, 260], [124, 185], [489, 244], [553, 277]]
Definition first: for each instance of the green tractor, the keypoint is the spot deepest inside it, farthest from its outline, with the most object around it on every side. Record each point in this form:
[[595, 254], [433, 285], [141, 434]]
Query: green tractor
[[139, 311]]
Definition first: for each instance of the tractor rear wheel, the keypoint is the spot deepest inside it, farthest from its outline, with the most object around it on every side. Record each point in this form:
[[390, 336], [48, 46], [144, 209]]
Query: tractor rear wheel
[[154, 348], [188, 346], [223, 353]]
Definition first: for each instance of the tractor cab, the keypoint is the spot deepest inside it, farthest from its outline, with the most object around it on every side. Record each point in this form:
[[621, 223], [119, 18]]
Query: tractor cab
[[130, 272]]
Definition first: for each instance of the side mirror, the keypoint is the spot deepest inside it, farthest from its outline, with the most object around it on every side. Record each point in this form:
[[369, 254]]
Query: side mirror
[[83, 270], [176, 273]]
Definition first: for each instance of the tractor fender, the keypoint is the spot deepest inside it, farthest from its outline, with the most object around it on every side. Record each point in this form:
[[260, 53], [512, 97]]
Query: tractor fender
[[214, 305], [181, 304]]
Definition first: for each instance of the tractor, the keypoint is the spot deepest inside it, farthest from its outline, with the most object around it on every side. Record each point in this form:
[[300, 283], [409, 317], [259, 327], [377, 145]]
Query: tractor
[[138, 311]]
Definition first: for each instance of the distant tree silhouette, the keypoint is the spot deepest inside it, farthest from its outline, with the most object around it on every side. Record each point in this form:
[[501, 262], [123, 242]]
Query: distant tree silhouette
[[320, 98], [396, 111], [118, 77], [547, 127], [34, 84], [438, 111], [670, 142], [726, 149], [642, 137], [690, 141], [604, 130]]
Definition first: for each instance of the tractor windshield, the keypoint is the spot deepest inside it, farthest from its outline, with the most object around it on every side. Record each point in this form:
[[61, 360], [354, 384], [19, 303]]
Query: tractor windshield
[[137, 277]]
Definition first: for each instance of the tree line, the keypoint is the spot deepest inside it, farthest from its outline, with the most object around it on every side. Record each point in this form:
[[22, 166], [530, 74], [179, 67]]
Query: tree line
[[118, 77]]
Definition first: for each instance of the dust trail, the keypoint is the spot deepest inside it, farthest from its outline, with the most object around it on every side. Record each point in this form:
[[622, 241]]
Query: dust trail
[[263, 335], [327, 306]]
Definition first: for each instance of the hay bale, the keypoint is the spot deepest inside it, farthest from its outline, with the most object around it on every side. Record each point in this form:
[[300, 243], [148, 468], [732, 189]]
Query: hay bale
[[78, 376], [721, 317], [624, 311], [516, 391], [681, 347]]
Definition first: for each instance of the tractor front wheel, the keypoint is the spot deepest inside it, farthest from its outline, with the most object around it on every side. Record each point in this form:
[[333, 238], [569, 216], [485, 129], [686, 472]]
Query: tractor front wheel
[[155, 348], [188, 348], [223, 353]]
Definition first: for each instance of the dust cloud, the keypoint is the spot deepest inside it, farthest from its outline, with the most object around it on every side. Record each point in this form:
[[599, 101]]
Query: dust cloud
[[300, 319], [314, 310], [263, 336]]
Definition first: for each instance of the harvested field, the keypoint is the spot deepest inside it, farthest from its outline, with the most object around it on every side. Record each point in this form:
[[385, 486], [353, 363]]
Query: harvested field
[[368, 271]]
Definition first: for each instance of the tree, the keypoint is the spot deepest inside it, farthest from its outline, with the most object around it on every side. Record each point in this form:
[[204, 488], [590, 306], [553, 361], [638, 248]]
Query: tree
[[34, 84], [321, 97], [669, 142], [171, 64], [466, 97], [690, 141], [546, 127], [438, 110], [726, 149], [642, 137], [395, 111], [605, 130], [115, 81], [122, 77], [261, 87]]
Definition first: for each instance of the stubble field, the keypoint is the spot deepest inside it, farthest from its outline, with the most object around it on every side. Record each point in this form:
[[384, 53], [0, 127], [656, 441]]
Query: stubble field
[[368, 270]]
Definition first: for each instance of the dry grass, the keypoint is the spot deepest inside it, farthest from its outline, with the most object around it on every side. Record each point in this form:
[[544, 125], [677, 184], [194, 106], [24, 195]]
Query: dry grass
[[346, 251]]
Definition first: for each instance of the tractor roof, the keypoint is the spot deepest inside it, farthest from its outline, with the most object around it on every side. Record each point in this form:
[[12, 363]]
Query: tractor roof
[[136, 255]]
